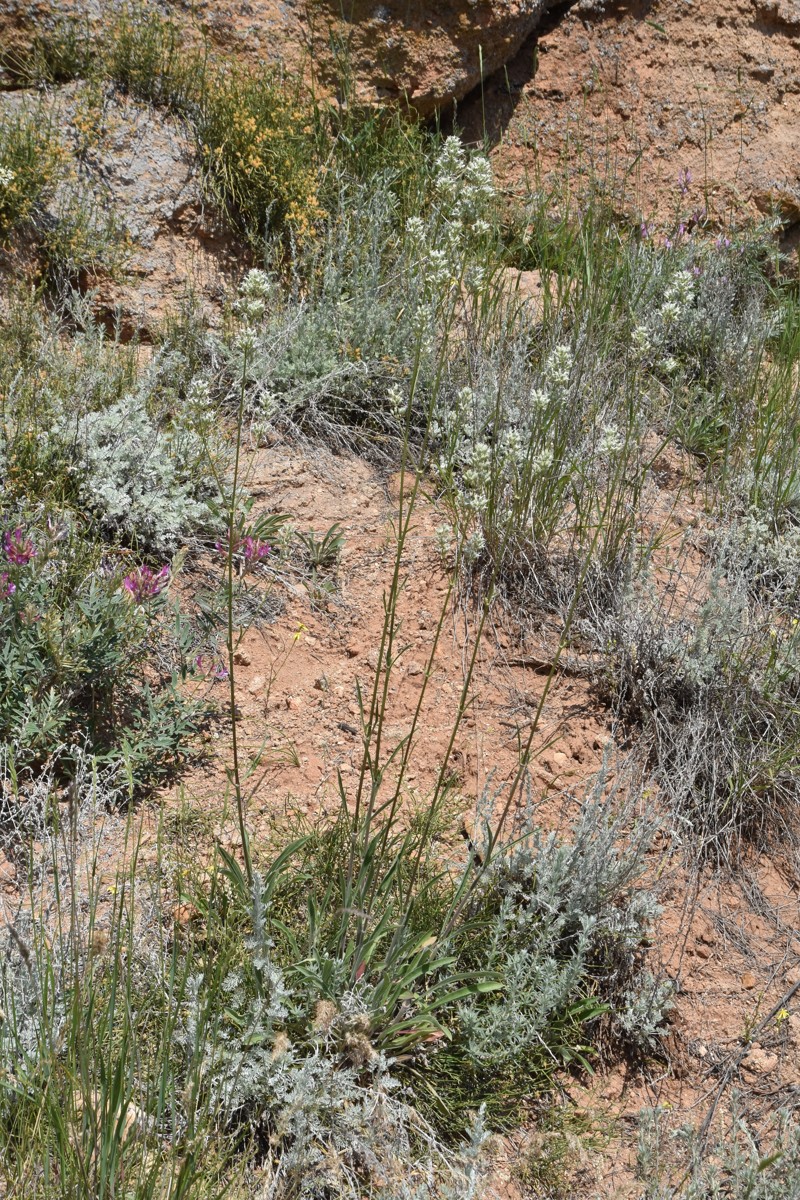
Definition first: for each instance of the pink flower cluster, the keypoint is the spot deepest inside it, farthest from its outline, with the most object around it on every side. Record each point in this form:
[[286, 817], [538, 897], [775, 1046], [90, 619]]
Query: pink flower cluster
[[143, 583], [251, 549], [216, 669], [7, 586], [18, 549]]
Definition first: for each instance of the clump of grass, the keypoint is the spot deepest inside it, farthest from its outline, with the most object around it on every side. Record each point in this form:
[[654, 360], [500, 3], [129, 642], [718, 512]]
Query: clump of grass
[[716, 695], [44, 203], [757, 1158], [64, 51], [276, 1016]]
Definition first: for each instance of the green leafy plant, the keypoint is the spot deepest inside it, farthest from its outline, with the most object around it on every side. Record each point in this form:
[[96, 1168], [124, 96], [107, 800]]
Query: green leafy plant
[[322, 550], [75, 638]]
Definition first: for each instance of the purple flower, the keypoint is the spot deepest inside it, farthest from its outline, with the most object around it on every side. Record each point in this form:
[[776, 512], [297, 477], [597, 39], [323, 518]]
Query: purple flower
[[7, 586], [667, 243], [143, 583], [251, 549], [696, 271], [254, 550], [684, 179], [19, 550], [220, 672], [722, 243], [644, 230]]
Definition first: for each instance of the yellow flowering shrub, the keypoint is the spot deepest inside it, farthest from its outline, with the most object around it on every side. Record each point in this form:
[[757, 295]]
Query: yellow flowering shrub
[[259, 161], [30, 156]]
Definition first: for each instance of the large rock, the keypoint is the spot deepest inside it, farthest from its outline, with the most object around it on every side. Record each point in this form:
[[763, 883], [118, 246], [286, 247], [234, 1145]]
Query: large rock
[[429, 54], [674, 109], [139, 171]]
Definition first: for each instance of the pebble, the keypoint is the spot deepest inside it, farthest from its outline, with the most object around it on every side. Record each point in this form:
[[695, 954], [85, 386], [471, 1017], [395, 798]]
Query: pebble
[[760, 1061]]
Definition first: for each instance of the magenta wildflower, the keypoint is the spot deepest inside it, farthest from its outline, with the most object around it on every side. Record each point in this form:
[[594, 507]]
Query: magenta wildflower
[[251, 549], [644, 230], [7, 586], [722, 243], [19, 550], [143, 583], [684, 179], [220, 672]]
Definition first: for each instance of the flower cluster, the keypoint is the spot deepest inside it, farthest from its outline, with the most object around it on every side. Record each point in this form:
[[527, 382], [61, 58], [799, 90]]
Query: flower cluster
[[559, 368], [17, 548], [254, 291], [215, 669], [463, 191], [7, 177], [248, 549], [198, 409], [463, 184], [7, 586], [610, 441], [144, 584]]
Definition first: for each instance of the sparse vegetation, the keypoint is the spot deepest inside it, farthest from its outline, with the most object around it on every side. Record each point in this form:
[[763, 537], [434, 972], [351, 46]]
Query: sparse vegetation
[[354, 1004]]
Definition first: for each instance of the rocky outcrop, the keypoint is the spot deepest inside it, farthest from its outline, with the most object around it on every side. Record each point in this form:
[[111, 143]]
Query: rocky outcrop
[[135, 181], [426, 54], [674, 108], [429, 54]]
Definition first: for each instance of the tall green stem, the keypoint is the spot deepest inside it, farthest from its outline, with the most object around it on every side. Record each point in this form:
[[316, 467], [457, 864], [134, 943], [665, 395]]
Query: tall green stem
[[235, 772]]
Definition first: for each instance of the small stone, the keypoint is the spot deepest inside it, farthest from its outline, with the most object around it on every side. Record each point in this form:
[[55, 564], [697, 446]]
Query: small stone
[[184, 914], [353, 650], [702, 951], [293, 703], [242, 658], [321, 683], [414, 668], [256, 685], [749, 980], [760, 1061]]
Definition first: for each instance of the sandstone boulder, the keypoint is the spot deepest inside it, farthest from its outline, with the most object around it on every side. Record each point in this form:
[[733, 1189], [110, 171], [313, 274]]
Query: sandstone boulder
[[429, 54]]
